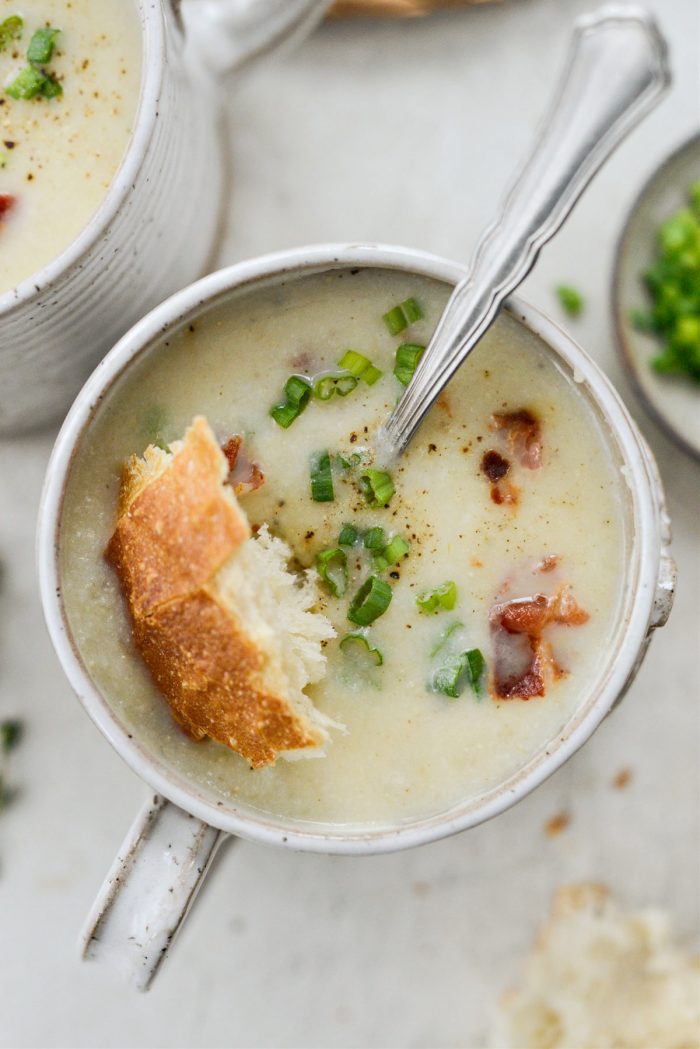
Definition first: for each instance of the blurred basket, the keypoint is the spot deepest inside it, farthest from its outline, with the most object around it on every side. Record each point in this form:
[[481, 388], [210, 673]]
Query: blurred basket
[[397, 8]]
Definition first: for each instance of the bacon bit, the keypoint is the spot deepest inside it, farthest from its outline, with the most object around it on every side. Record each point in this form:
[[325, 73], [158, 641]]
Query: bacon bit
[[505, 493], [494, 465], [523, 433], [244, 475], [556, 824], [524, 662], [547, 564], [7, 203]]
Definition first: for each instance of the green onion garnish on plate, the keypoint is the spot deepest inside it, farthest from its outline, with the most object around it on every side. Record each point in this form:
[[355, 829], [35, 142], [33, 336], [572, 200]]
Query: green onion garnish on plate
[[321, 478], [371, 601], [359, 366], [40, 50], [571, 300], [449, 677], [332, 567], [442, 597], [358, 639], [377, 487], [406, 362], [297, 392]]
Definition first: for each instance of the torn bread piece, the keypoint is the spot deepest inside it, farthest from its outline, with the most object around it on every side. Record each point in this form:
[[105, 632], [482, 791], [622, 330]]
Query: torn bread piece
[[227, 632], [601, 977]]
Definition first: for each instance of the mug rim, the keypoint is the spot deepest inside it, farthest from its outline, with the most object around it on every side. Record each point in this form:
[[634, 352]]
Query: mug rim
[[152, 32], [631, 630]]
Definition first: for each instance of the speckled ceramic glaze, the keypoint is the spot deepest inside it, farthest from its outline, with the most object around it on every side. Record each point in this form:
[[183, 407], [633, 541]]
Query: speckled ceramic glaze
[[167, 852], [155, 228]]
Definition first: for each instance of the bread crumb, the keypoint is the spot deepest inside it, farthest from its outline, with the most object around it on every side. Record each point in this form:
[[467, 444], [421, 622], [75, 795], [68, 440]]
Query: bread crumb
[[557, 824], [622, 779]]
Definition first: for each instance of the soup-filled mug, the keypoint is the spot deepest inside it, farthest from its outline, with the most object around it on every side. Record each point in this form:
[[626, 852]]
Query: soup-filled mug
[[155, 228], [166, 854]]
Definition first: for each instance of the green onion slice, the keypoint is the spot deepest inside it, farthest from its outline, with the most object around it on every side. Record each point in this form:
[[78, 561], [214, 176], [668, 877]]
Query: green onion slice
[[475, 667], [321, 478], [359, 366], [395, 320], [375, 539], [406, 362], [444, 596], [332, 567], [356, 638], [445, 636], [449, 678], [10, 29], [348, 462], [348, 535], [399, 317], [570, 299], [380, 563], [31, 82], [328, 385], [377, 487], [371, 601], [412, 311], [297, 392], [10, 734], [396, 549], [41, 46]]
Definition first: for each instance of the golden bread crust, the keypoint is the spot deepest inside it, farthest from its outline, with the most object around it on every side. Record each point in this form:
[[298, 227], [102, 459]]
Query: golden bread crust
[[179, 529], [174, 534]]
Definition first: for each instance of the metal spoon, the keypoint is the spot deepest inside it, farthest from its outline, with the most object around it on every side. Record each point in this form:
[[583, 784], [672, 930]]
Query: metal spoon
[[617, 70]]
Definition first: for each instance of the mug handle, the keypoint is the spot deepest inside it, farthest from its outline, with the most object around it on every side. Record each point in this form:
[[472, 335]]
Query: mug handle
[[149, 890], [224, 35]]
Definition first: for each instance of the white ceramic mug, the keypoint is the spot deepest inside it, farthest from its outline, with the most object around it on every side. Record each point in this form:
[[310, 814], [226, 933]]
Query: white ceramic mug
[[155, 229], [165, 856]]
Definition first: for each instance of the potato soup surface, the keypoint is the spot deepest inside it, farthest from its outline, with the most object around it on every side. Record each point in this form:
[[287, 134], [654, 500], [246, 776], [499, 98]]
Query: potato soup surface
[[408, 751], [58, 155]]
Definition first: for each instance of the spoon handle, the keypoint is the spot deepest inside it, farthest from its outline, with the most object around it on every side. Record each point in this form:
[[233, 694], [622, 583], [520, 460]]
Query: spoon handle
[[615, 73]]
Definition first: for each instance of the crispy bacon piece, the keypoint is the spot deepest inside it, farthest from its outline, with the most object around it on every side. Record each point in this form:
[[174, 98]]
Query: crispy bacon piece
[[523, 432], [7, 203], [496, 467], [244, 476], [524, 663]]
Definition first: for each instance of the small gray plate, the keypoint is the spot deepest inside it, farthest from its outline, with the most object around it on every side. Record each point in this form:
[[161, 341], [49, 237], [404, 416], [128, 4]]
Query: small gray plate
[[672, 400]]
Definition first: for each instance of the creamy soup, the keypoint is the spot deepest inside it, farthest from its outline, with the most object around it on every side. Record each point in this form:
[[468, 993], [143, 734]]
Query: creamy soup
[[65, 135], [500, 515]]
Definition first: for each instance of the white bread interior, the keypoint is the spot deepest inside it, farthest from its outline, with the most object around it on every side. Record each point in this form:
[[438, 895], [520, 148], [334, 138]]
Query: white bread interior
[[600, 977]]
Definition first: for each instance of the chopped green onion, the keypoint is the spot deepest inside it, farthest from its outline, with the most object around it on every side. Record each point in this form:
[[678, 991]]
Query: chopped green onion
[[31, 82], [570, 299], [444, 596], [347, 464], [399, 318], [328, 385], [395, 320], [412, 311], [406, 362], [371, 601], [358, 638], [449, 678], [377, 487], [297, 392], [359, 366], [333, 569], [396, 549], [41, 46], [321, 478], [348, 535], [10, 734], [10, 29], [4, 158], [375, 539], [380, 563], [475, 666]]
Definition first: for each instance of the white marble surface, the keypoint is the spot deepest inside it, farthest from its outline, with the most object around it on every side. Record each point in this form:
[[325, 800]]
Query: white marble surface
[[401, 133]]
